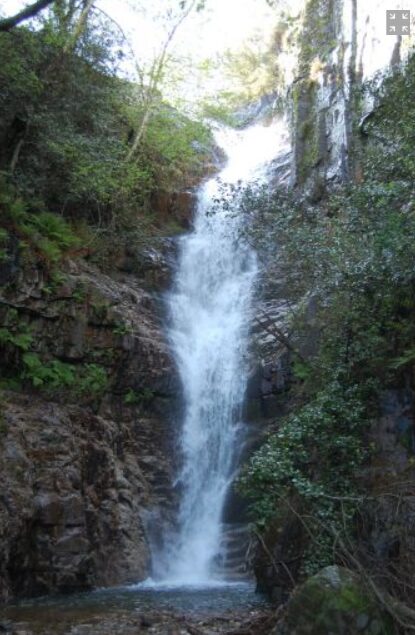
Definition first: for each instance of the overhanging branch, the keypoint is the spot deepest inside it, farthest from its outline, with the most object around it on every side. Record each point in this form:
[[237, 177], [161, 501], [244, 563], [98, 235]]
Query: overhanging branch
[[28, 12]]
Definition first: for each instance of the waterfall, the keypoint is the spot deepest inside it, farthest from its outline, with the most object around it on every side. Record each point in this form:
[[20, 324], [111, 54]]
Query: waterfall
[[209, 308]]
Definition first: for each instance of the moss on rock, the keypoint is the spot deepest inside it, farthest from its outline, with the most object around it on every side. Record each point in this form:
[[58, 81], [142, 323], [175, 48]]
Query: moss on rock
[[333, 601]]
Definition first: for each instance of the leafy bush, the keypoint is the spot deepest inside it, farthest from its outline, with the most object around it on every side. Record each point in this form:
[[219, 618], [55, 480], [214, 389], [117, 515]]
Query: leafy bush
[[15, 332], [315, 457], [389, 154], [21, 340], [47, 233], [55, 374], [92, 379], [66, 124]]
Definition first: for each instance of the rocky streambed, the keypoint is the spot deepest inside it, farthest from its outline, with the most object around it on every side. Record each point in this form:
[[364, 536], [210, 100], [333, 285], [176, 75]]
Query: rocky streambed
[[131, 610]]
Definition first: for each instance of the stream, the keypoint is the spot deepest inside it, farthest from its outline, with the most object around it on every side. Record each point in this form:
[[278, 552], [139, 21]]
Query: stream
[[136, 609]]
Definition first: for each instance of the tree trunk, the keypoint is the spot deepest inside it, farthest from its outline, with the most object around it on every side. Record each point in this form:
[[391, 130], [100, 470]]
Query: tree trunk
[[79, 28], [155, 77]]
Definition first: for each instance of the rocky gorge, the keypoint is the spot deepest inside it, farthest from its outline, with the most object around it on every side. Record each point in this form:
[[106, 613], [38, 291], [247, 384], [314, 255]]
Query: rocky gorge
[[91, 395]]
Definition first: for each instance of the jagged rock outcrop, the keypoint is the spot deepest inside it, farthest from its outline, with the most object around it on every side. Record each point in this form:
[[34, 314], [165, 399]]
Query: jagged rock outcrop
[[72, 491], [80, 468], [175, 207], [152, 265]]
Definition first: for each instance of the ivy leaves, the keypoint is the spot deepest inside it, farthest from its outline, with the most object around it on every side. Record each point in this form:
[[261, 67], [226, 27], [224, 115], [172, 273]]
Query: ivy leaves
[[315, 458]]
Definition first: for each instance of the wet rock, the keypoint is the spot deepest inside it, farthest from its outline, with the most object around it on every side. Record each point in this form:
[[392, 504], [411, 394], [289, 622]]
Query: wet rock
[[65, 537], [175, 206], [324, 144], [256, 111], [53, 621], [74, 485], [49, 509], [183, 207], [145, 622]]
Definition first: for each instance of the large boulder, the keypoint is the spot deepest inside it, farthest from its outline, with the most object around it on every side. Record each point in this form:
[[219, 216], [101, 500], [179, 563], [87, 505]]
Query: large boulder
[[333, 602]]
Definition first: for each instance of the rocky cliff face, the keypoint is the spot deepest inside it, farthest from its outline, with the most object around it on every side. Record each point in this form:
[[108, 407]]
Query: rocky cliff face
[[343, 42], [80, 468]]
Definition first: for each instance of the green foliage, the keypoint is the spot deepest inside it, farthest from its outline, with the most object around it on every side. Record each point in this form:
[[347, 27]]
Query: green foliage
[[4, 237], [79, 293], [18, 72], [407, 358], [390, 155], [301, 370], [122, 329], [17, 339], [133, 397], [314, 457], [89, 379], [255, 71], [222, 109], [92, 379], [47, 233], [15, 331], [358, 253], [56, 279], [54, 229], [349, 266], [55, 374], [66, 126], [174, 149]]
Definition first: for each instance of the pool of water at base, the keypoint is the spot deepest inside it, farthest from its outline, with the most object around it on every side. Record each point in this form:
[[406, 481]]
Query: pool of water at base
[[193, 602]]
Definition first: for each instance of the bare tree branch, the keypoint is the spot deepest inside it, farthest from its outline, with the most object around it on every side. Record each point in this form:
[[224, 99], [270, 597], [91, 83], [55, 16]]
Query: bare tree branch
[[279, 335], [155, 77], [79, 27], [26, 13]]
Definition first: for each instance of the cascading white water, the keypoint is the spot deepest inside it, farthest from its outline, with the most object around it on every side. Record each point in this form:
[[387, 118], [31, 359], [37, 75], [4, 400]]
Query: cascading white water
[[209, 307]]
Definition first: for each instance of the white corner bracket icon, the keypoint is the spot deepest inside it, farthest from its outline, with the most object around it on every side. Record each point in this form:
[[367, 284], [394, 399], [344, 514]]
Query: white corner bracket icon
[[398, 22]]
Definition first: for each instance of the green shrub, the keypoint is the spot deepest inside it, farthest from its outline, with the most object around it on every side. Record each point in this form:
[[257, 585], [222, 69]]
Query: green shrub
[[92, 379], [47, 233], [133, 397], [22, 340], [315, 458], [54, 374]]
